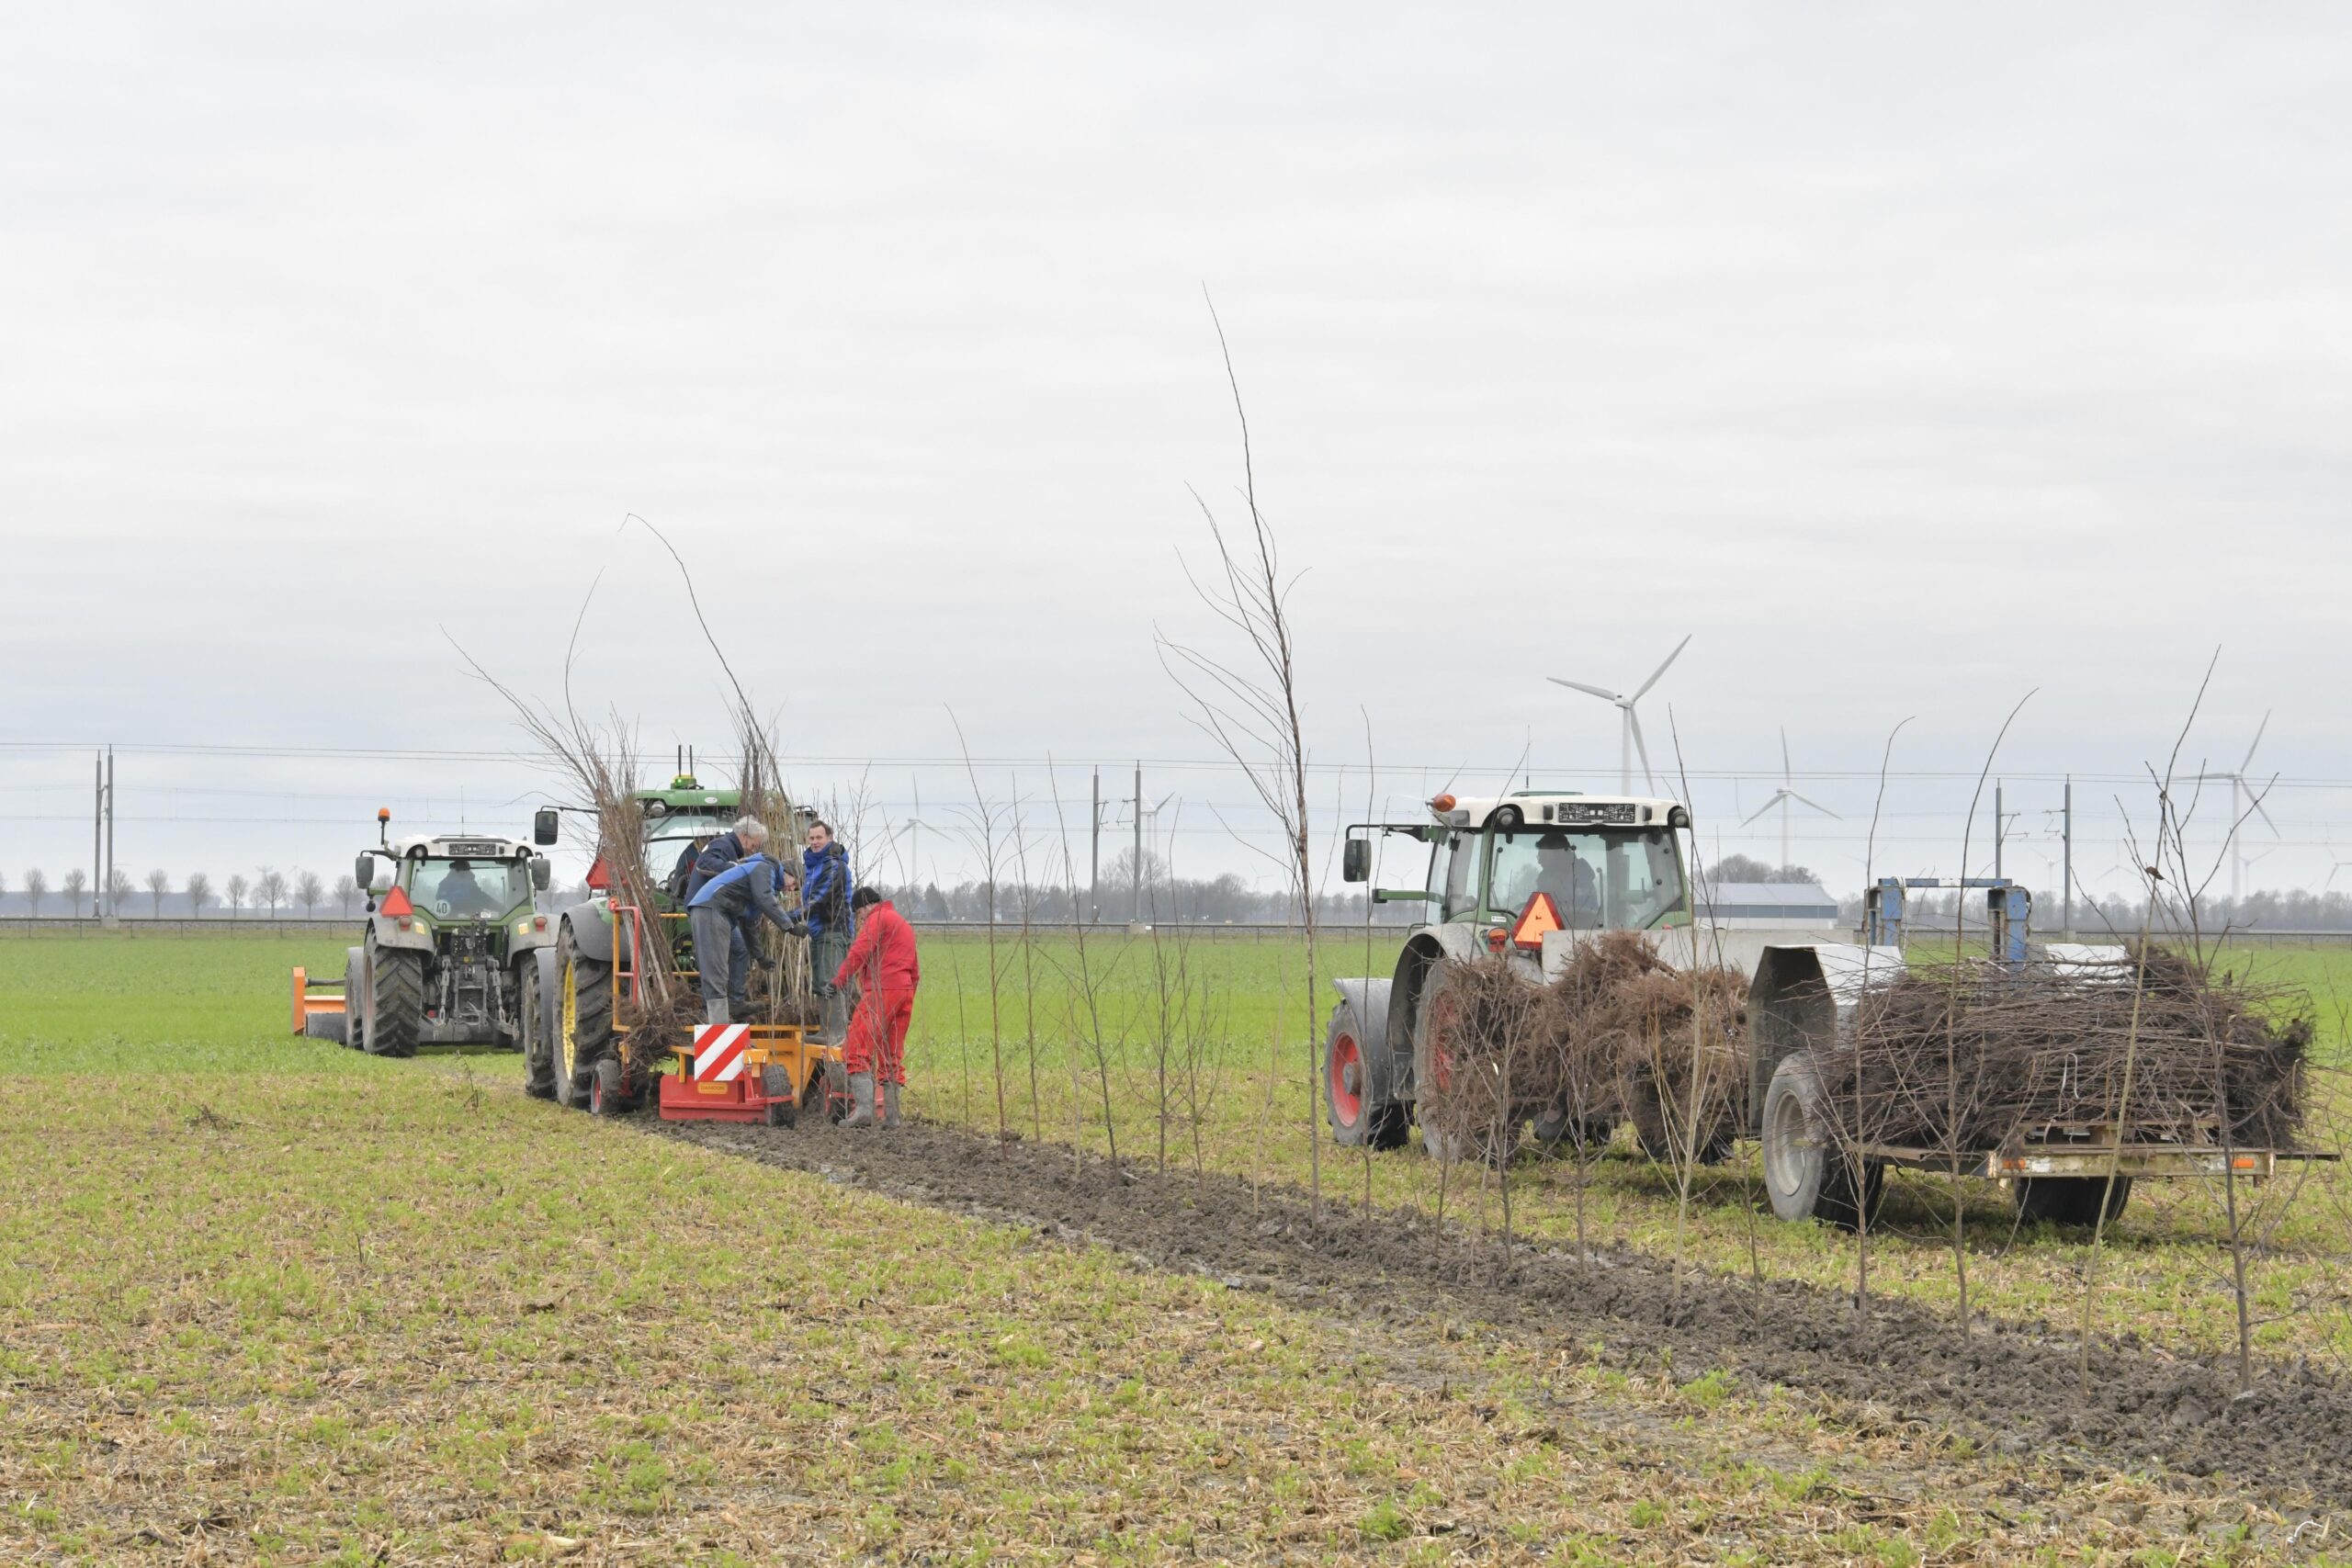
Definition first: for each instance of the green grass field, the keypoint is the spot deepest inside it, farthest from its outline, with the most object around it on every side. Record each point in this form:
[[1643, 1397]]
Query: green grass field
[[261, 1299]]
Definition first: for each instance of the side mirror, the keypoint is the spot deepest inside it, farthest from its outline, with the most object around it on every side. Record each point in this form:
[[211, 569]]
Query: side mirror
[[541, 870], [1355, 860], [363, 869], [543, 823]]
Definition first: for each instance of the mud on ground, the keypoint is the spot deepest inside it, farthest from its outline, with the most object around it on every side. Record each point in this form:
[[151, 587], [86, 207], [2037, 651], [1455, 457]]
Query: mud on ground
[[2015, 1386]]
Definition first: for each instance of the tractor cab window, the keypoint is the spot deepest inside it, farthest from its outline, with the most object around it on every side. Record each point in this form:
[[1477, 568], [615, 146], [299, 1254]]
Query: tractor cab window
[[463, 889], [1461, 875], [1608, 880], [670, 838]]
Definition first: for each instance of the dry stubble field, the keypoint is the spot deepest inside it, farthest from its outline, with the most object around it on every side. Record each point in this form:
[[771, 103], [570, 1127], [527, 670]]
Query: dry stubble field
[[263, 1300]]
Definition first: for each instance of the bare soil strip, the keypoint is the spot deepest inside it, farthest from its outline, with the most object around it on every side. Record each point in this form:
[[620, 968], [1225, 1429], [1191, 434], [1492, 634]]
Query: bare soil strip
[[2016, 1386]]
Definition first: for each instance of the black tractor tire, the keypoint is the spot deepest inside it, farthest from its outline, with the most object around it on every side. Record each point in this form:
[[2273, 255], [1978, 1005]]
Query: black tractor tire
[[1806, 1176], [395, 1002], [2072, 1201], [1358, 1086], [829, 1089], [531, 1027], [607, 1092], [776, 1084], [355, 1003], [582, 1022], [1491, 1144]]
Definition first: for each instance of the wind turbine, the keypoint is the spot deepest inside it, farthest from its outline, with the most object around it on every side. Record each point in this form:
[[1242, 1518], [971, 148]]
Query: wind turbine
[[1783, 795], [1631, 740], [2335, 862], [2239, 785]]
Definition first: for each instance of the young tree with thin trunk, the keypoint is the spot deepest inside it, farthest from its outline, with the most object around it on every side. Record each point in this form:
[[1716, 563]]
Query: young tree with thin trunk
[[36, 887], [198, 892], [308, 891], [346, 890], [1249, 704], [159, 882], [119, 891], [76, 881], [237, 889], [270, 889]]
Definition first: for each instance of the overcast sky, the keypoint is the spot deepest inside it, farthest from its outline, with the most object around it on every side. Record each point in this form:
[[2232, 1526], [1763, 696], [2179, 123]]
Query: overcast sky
[[1913, 359]]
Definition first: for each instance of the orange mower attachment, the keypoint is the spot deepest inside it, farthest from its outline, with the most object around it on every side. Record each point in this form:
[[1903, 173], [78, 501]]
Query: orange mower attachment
[[749, 1072], [321, 1007]]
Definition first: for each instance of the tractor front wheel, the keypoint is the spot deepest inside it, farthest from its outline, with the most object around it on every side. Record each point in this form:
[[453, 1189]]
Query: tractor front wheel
[[395, 1002], [531, 1025], [1359, 1080]]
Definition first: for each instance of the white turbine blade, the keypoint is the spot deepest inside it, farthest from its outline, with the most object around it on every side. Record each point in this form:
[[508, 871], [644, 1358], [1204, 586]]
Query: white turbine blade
[[1634, 721], [1787, 776], [2256, 741], [1661, 669], [1777, 796], [2258, 811], [1604, 694], [1802, 800]]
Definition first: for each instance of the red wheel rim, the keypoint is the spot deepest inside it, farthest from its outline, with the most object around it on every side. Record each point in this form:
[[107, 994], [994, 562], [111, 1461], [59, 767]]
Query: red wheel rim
[[1346, 1073]]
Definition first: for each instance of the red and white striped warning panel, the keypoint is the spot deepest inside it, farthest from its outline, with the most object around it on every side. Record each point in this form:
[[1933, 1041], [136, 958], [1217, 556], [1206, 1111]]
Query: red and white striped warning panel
[[718, 1051]]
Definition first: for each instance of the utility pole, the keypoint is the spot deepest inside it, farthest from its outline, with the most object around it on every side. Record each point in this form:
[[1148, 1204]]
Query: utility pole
[[98, 820], [1998, 823], [1094, 856], [113, 913], [2066, 819], [1136, 918]]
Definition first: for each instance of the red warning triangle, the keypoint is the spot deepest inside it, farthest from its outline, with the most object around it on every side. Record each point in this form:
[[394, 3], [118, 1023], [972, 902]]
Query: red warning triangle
[[1540, 916]]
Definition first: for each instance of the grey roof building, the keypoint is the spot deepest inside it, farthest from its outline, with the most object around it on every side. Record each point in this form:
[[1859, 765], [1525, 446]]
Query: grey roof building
[[1768, 906]]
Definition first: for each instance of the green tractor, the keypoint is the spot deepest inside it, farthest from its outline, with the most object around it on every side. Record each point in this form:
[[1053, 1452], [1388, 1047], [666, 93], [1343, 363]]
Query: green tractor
[[449, 956], [587, 1055]]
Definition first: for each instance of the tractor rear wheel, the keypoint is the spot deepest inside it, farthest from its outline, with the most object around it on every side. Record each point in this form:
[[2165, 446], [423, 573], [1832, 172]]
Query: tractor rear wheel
[[2070, 1201], [1555, 1127], [583, 1020], [1806, 1175], [1647, 1113], [1483, 1138], [531, 1025], [395, 1002]]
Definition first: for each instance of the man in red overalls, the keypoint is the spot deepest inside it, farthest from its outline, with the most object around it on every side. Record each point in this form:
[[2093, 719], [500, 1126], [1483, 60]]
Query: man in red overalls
[[883, 959]]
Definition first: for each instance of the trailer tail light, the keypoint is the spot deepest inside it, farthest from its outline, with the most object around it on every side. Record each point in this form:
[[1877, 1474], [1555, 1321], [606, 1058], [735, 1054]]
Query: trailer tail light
[[2240, 1162], [598, 877], [396, 903]]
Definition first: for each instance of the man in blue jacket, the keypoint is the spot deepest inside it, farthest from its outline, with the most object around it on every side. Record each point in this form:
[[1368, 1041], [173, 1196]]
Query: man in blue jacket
[[825, 890], [726, 901]]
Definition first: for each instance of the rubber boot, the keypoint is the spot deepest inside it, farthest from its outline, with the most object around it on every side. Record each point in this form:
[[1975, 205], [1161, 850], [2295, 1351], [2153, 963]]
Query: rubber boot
[[715, 1012], [861, 1100], [890, 1105]]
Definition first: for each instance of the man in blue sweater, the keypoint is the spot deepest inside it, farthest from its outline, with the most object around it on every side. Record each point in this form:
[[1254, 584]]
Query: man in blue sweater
[[825, 890], [728, 898]]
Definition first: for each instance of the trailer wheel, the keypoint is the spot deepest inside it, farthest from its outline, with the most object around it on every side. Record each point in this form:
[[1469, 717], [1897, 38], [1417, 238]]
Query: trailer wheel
[[776, 1084], [1804, 1174], [531, 1023], [395, 1002], [583, 1021], [2069, 1201], [1358, 1086], [1647, 1115], [354, 1007], [1555, 1127], [830, 1085], [607, 1096]]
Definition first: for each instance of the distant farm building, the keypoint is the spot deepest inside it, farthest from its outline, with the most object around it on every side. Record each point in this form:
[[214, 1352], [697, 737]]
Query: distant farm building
[[1768, 906]]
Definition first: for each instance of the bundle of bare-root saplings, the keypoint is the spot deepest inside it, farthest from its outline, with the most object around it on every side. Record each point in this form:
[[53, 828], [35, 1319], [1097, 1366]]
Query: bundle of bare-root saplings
[[1619, 1036], [1971, 1056]]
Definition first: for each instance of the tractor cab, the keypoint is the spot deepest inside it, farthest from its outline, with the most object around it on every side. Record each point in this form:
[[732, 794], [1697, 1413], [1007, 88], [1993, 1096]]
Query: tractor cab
[[453, 880], [1504, 870], [1503, 873]]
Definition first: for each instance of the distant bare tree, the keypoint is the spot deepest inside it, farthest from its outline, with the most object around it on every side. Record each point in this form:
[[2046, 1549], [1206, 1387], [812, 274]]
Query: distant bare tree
[[200, 893], [238, 886], [308, 891], [4, 885], [119, 889], [159, 882], [346, 890], [270, 889], [76, 881], [36, 887]]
